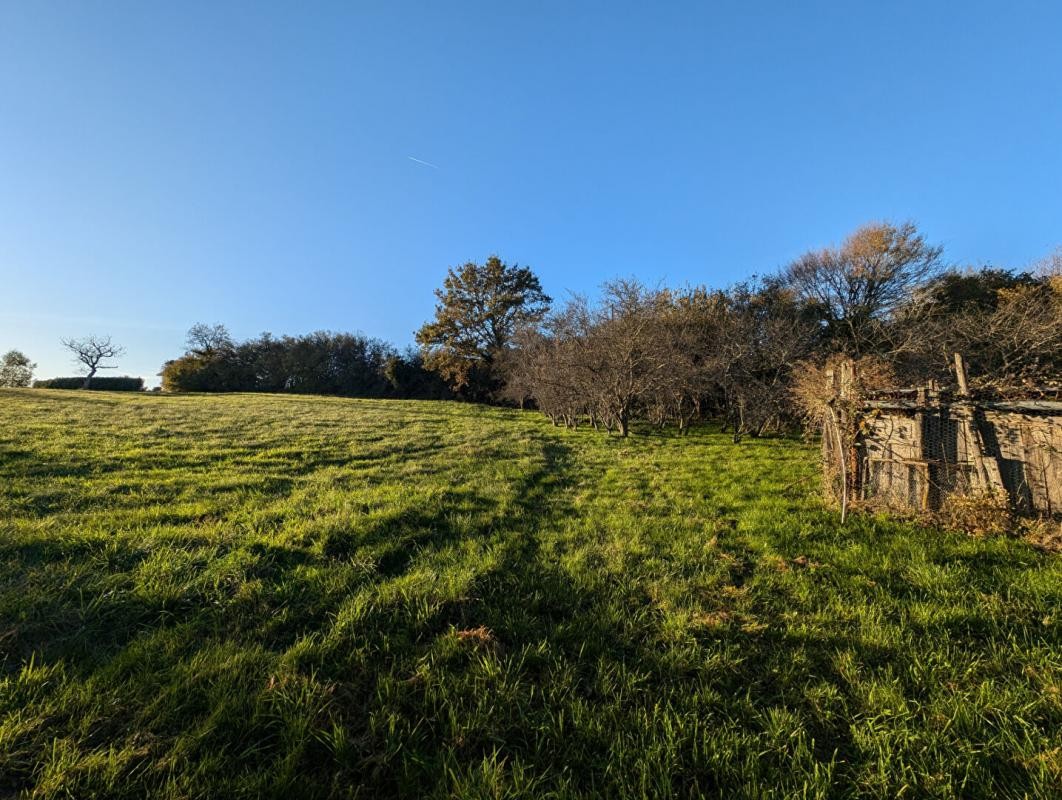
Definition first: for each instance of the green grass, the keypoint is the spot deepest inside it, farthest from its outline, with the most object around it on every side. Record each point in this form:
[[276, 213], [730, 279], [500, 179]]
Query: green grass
[[224, 596]]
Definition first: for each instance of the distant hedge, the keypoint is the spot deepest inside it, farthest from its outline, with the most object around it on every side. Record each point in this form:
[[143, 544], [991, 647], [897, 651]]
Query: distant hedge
[[119, 384], [344, 364]]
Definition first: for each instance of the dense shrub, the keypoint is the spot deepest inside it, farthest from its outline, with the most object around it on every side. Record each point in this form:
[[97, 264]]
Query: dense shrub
[[123, 383], [409, 379], [350, 365]]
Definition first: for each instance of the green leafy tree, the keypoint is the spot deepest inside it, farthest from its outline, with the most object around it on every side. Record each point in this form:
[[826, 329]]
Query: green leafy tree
[[16, 369], [480, 308]]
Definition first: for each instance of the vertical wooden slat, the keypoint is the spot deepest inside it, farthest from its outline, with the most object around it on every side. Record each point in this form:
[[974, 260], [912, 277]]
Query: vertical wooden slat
[[960, 376]]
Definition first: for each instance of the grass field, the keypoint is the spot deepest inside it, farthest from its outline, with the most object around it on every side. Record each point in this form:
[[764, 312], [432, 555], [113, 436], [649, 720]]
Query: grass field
[[223, 596]]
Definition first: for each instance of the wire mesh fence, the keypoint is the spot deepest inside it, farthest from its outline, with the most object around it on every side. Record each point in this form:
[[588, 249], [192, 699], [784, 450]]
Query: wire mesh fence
[[928, 449]]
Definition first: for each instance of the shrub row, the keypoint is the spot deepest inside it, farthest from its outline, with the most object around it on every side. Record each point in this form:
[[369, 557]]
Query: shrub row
[[122, 383], [345, 364]]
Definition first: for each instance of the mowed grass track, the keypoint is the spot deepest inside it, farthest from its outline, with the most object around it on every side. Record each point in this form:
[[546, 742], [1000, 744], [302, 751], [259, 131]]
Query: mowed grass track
[[247, 595]]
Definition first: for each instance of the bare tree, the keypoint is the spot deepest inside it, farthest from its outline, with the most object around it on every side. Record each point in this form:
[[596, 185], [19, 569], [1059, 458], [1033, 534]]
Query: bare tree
[[766, 331], [1019, 341], [856, 287], [667, 357], [91, 351], [613, 361], [688, 331], [204, 340], [618, 362], [553, 365], [1007, 324], [1050, 266]]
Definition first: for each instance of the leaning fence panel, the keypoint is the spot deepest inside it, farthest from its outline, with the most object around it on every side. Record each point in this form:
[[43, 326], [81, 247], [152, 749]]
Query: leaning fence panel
[[924, 449]]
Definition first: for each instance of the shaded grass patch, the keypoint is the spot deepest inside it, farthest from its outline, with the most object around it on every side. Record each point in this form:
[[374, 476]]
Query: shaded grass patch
[[263, 595]]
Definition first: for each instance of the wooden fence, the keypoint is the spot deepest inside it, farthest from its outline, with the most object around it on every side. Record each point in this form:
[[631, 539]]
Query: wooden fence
[[916, 448]]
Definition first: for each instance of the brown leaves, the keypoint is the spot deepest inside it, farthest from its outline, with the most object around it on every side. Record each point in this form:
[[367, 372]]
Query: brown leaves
[[477, 637]]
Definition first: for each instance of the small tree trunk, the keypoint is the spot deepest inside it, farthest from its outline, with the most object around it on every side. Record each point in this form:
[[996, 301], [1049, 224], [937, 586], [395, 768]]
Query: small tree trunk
[[88, 378]]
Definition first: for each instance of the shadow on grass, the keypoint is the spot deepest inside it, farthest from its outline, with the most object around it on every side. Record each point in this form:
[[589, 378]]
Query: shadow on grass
[[570, 675]]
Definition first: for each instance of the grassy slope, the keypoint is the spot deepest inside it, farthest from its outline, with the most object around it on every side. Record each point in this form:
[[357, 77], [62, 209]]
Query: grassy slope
[[209, 596]]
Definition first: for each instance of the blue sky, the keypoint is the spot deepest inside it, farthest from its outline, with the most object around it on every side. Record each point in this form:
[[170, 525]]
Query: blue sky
[[252, 163]]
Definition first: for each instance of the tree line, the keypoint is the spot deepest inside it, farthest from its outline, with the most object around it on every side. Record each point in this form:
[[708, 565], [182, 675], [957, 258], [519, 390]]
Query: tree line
[[460, 355], [675, 356], [346, 364], [658, 355]]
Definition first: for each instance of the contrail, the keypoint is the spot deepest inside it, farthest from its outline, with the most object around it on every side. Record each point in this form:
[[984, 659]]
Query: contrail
[[425, 163]]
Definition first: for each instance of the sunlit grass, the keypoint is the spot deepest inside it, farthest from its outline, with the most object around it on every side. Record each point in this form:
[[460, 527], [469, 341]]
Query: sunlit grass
[[216, 596]]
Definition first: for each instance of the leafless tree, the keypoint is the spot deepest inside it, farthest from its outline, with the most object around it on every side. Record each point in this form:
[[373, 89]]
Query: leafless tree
[[204, 340], [91, 351], [855, 287], [557, 365], [766, 332], [688, 331], [1050, 266], [1020, 341], [667, 357], [631, 361], [1008, 325]]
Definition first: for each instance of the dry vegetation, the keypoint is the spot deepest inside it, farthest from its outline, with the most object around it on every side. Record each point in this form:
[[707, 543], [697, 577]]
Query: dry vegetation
[[751, 354]]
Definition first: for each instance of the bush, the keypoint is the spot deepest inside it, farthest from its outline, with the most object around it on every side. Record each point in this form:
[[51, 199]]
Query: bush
[[215, 372], [16, 370], [122, 383], [345, 364]]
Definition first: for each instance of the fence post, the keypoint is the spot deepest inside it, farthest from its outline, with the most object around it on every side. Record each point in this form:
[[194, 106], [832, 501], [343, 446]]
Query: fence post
[[961, 377], [851, 409], [844, 424], [986, 473]]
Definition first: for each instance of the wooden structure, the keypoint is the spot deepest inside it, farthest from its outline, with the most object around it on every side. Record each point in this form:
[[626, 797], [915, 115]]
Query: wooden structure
[[913, 448]]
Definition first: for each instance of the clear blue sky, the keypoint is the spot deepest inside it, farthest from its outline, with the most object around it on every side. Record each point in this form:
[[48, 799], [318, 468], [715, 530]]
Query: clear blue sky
[[251, 163]]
